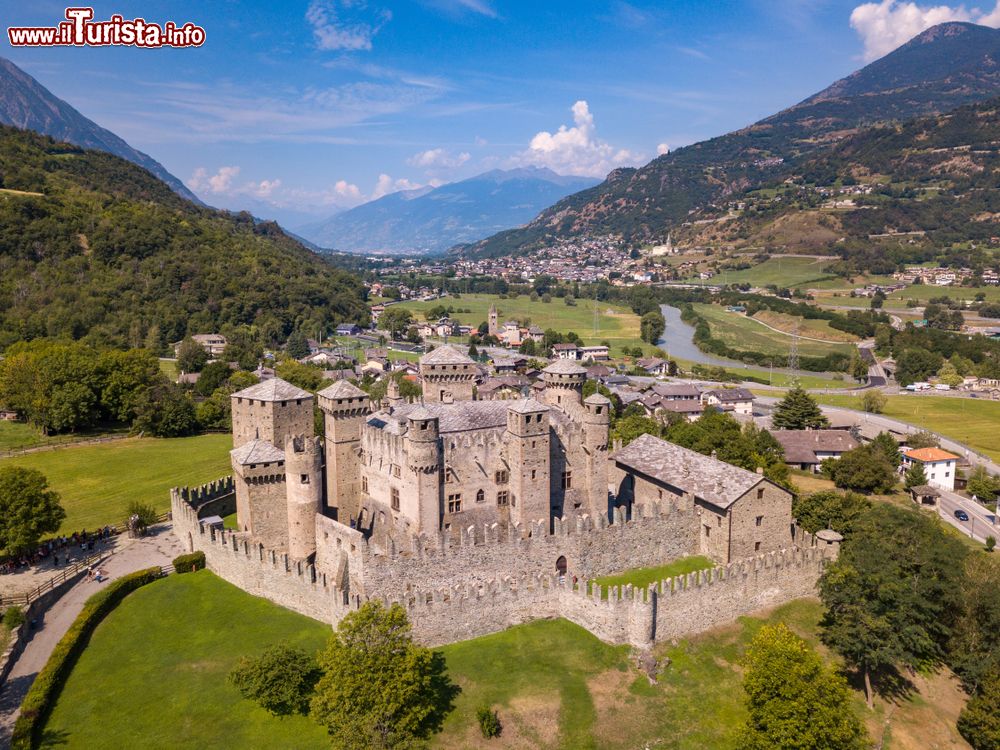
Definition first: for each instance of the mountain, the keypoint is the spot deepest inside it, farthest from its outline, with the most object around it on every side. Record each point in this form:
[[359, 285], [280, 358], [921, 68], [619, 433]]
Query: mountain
[[93, 247], [27, 104], [944, 67], [430, 220]]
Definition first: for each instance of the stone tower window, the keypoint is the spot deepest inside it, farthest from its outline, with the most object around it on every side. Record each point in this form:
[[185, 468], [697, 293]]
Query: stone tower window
[[538, 417], [760, 493], [760, 520], [708, 531], [502, 476], [364, 484], [304, 478], [480, 496], [454, 503], [394, 498], [503, 498], [567, 480], [756, 546]]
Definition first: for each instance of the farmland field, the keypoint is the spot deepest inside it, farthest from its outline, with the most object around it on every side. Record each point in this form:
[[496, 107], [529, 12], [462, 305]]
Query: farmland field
[[781, 271], [744, 334]]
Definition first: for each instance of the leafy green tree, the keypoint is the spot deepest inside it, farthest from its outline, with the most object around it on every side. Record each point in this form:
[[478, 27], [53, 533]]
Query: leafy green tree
[[165, 411], [191, 356], [873, 401], [124, 376], [979, 722], [396, 320], [297, 347], [798, 411], [916, 364], [915, 476], [307, 377], [281, 680], [632, 426], [982, 484], [887, 444], [893, 594], [145, 512], [923, 439], [215, 412], [473, 351], [28, 509], [793, 699], [378, 688], [828, 509], [863, 469], [651, 326], [859, 370], [975, 645], [948, 375], [213, 376]]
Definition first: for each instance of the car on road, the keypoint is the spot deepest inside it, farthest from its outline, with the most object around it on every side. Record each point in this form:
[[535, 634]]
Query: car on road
[[961, 515]]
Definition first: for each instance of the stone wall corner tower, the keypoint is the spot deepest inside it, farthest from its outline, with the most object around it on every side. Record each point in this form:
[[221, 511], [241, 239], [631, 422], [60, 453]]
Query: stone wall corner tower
[[345, 408], [304, 485], [564, 386], [271, 410], [528, 455], [423, 460], [448, 375], [596, 428]]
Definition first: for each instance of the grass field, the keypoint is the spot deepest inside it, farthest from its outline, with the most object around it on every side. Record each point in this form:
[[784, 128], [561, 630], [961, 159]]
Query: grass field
[[96, 482], [811, 327], [643, 577], [615, 324], [154, 674], [974, 422], [21, 436], [778, 270], [745, 334]]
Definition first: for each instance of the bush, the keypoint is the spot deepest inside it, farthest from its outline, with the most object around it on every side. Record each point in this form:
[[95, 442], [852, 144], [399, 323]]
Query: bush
[[281, 680], [147, 514], [489, 722], [14, 616], [190, 562], [991, 543], [47, 685]]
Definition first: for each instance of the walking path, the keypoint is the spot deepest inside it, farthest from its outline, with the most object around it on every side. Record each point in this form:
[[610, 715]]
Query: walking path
[[159, 548]]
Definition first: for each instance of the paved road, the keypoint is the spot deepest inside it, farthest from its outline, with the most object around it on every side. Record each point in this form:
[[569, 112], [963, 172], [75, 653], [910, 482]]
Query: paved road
[[981, 523], [158, 549]]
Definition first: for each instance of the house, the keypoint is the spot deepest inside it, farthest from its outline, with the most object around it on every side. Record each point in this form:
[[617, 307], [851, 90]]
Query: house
[[806, 449], [348, 329], [501, 388], [213, 343], [8, 415], [939, 466], [736, 400], [597, 372], [597, 353], [566, 351], [677, 391], [739, 512], [654, 365], [686, 408], [536, 334]]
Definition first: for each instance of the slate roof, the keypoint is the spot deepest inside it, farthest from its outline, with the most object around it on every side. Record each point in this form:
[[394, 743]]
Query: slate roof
[[274, 389], [257, 452], [445, 355], [676, 390], [731, 395], [527, 406], [681, 406], [565, 367], [801, 446], [342, 389], [456, 417], [599, 399], [707, 478]]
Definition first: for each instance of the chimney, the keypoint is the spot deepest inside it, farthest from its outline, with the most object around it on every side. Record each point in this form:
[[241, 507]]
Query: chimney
[[760, 470]]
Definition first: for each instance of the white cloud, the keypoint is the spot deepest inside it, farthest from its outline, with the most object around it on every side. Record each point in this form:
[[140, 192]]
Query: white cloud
[[337, 24], [438, 158], [662, 148], [385, 185], [218, 183], [575, 150], [886, 25]]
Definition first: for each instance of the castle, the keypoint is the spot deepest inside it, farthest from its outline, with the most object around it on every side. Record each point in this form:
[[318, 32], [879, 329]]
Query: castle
[[480, 514]]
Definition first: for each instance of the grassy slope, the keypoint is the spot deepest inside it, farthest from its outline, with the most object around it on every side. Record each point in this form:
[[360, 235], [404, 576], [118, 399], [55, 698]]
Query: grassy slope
[[161, 659], [617, 325], [96, 482], [778, 270], [742, 333], [972, 421], [642, 577]]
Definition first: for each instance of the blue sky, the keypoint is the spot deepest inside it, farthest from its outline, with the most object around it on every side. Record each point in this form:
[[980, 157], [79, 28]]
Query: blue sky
[[298, 109]]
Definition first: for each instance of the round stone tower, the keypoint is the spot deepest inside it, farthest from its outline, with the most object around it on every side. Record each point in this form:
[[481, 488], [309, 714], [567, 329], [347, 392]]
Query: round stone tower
[[564, 384], [304, 485], [596, 427], [423, 459]]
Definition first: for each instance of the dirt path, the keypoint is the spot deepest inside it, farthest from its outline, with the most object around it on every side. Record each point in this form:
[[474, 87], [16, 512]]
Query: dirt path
[[157, 549]]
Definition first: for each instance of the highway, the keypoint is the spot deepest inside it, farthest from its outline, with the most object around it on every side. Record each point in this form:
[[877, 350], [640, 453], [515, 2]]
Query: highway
[[981, 523]]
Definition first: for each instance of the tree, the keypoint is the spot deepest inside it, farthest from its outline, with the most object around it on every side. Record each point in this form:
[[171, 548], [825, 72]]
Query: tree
[[145, 513], [923, 439], [873, 401], [893, 594], [191, 356], [307, 377], [297, 347], [213, 376], [979, 722], [164, 410], [798, 411], [632, 426], [863, 469], [915, 364], [28, 509], [948, 375], [887, 444], [975, 645], [396, 320], [983, 485], [859, 369], [651, 326], [793, 699], [379, 689], [473, 351], [915, 476], [281, 680], [828, 509]]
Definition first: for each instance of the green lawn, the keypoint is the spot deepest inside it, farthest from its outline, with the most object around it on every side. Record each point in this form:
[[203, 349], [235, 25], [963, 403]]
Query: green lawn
[[96, 482], [974, 422], [643, 577], [745, 334], [615, 324], [778, 270], [20, 435], [153, 676]]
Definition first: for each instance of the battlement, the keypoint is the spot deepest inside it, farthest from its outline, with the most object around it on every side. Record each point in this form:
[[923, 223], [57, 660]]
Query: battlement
[[198, 496]]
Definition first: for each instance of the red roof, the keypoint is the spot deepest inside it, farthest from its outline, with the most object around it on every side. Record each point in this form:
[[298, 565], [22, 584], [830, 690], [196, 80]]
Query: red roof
[[929, 455]]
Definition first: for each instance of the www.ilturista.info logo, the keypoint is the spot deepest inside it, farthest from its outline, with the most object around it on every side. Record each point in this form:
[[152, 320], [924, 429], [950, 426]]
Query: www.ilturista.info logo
[[79, 30]]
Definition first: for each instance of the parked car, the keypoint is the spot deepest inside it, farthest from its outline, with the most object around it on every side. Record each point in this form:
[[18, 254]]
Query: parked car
[[961, 515]]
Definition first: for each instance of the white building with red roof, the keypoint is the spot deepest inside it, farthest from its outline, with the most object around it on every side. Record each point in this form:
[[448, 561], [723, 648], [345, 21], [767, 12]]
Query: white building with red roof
[[939, 466]]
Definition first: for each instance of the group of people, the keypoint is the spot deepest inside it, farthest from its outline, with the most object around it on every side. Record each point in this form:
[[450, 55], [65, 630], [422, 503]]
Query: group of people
[[61, 549]]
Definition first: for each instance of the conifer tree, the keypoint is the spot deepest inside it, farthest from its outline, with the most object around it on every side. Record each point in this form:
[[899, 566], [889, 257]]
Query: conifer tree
[[915, 475], [798, 411]]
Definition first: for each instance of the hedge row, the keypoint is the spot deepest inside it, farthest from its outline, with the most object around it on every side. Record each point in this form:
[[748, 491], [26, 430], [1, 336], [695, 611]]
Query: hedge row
[[190, 562], [48, 684]]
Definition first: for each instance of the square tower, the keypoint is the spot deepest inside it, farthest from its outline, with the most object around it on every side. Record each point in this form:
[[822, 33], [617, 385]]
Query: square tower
[[528, 455], [271, 410], [345, 408], [448, 375]]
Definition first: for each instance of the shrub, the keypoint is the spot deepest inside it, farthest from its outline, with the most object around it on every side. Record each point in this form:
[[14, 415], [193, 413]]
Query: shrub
[[190, 562], [146, 513], [991, 543], [47, 685], [489, 722], [281, 680], [14, 616]]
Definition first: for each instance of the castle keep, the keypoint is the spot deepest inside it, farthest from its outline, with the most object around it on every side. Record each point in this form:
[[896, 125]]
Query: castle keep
[[480, 514]]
